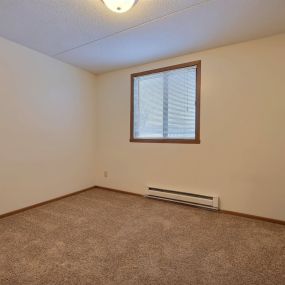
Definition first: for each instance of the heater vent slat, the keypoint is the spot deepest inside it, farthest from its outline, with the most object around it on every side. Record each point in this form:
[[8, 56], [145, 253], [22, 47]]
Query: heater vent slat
[[197, 200], [181, 193]]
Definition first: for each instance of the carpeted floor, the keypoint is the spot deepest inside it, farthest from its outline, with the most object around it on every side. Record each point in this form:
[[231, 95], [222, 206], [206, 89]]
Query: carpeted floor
[[103, 237]]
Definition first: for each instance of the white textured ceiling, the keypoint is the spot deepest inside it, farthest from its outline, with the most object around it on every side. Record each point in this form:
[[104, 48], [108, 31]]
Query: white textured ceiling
[[86, 34]]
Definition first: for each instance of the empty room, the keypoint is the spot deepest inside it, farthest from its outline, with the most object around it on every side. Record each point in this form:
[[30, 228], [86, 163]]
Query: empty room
[[142, 142]]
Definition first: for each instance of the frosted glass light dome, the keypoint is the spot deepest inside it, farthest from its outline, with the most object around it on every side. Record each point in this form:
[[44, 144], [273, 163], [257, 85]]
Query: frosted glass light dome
[[120, 6]]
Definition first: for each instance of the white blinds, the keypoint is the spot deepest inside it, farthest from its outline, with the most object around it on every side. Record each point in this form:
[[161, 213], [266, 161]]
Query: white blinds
[[164, 104]]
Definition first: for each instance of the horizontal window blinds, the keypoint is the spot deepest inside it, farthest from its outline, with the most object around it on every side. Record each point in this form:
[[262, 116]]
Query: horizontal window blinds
[[165, 104]]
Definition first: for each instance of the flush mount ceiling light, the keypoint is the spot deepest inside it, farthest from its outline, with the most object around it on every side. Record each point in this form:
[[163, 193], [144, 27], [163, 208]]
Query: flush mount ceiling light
[[120, 6]]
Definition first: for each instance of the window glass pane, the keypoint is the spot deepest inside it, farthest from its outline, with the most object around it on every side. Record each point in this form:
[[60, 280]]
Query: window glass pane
[[181, 103], [148, 106], [165, 104]]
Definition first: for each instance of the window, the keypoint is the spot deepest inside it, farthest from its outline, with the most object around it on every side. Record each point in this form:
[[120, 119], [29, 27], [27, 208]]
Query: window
[[165, 104]]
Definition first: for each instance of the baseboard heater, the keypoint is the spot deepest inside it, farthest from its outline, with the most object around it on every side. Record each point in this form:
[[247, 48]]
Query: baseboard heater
[[197, 200]]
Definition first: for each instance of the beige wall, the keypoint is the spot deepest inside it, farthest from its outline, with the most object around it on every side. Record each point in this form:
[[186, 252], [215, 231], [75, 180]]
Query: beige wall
[[47, 128], [242, 154], [55, 140]]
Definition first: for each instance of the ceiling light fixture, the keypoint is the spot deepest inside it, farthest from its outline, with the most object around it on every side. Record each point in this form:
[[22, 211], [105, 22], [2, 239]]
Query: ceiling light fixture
[[120, 6]]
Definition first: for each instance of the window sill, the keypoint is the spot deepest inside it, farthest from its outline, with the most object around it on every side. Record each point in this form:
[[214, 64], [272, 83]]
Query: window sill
[[181, 141]]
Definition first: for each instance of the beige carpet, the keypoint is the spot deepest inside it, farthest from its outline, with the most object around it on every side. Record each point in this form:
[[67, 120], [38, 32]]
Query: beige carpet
[[102, 237]]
